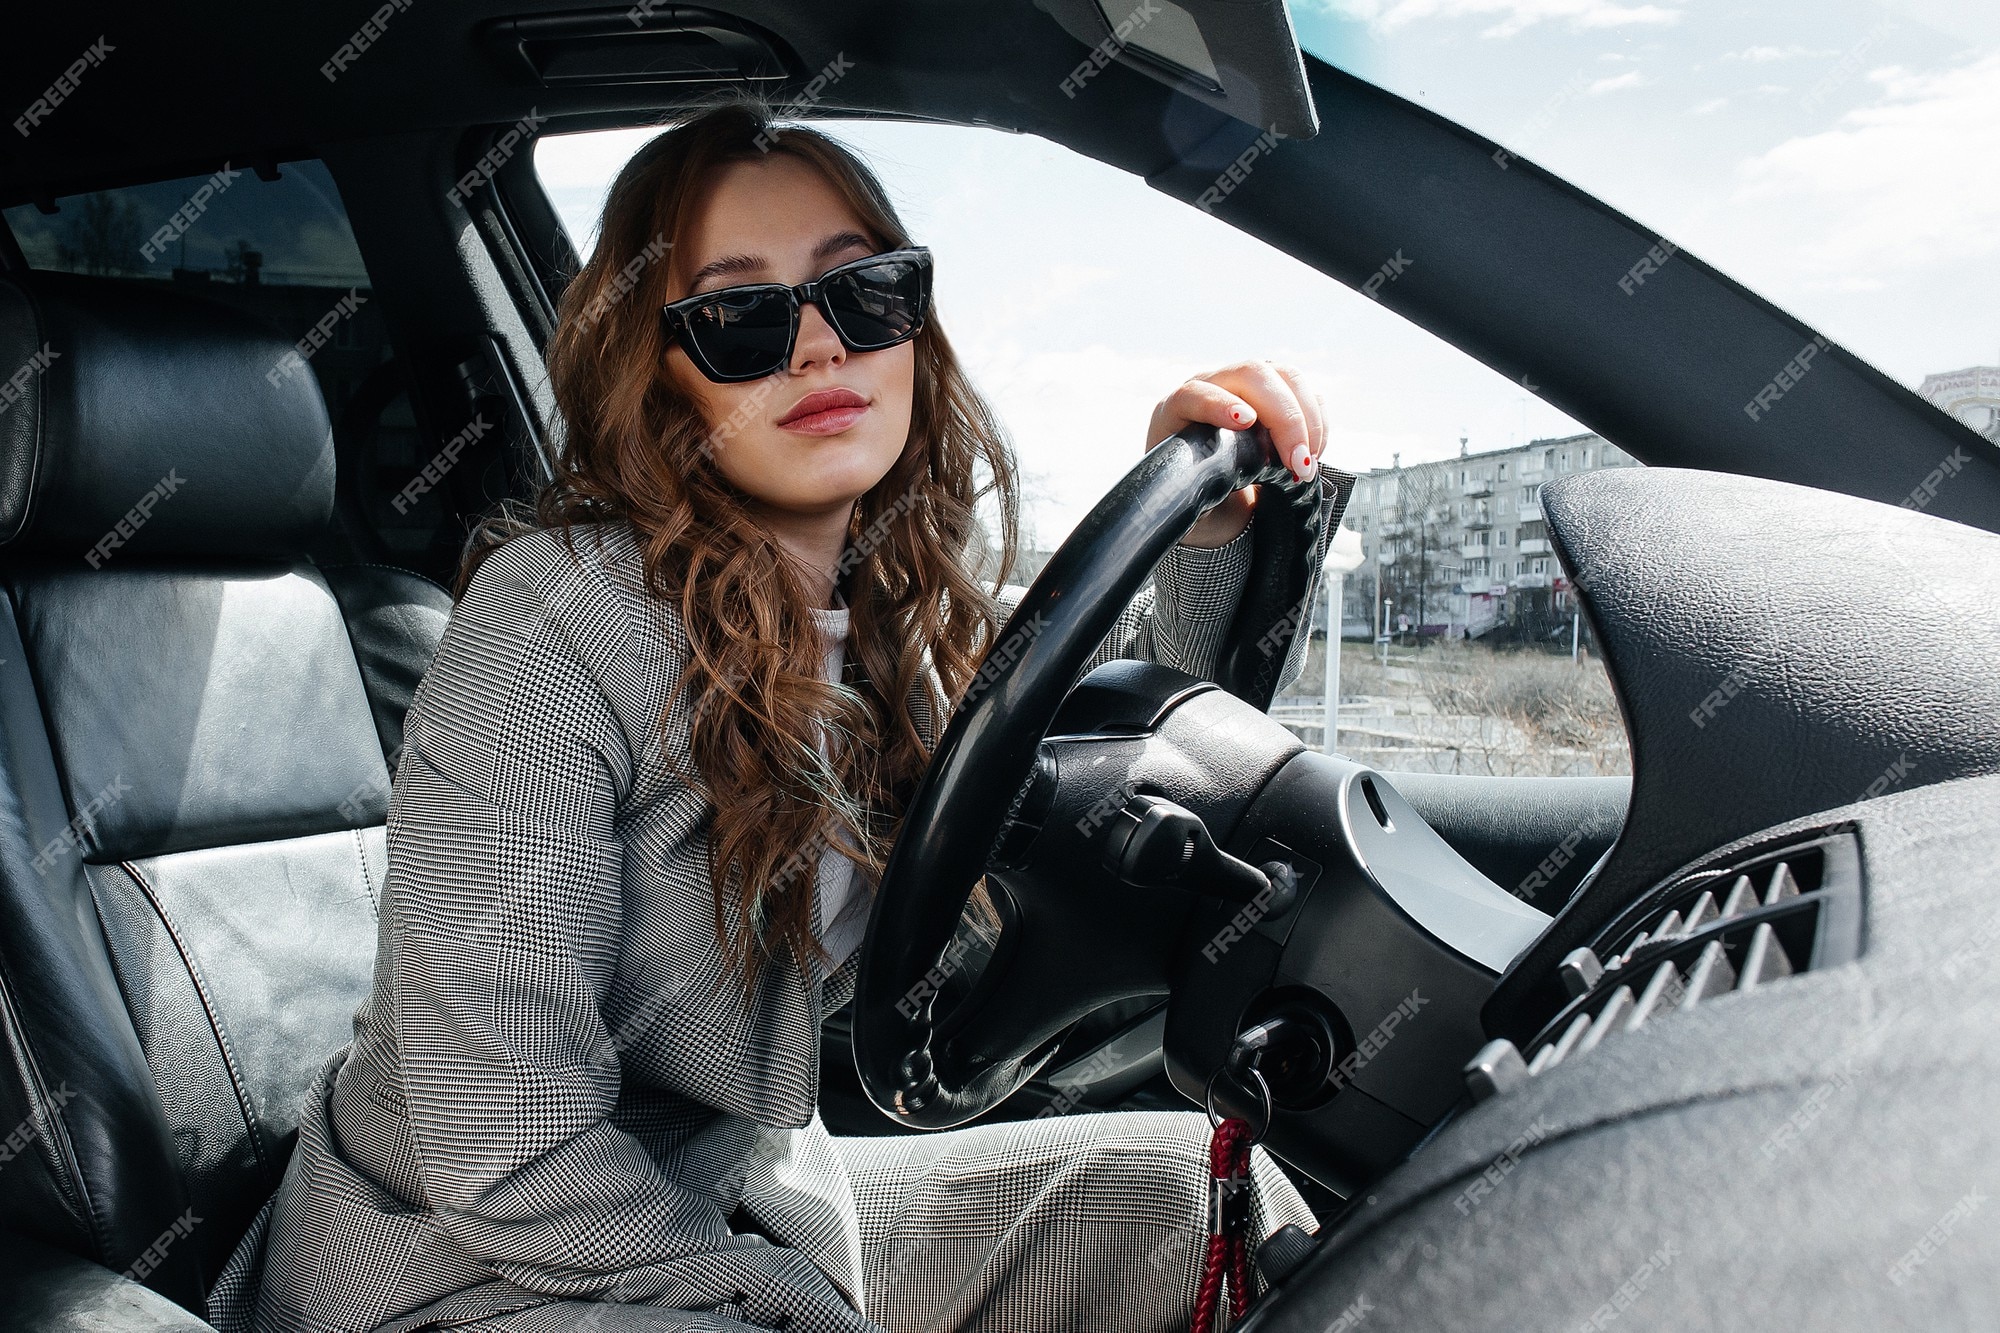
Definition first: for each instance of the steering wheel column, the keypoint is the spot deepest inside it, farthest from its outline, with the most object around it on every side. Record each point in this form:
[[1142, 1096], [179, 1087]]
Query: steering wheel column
[[1148, 833]]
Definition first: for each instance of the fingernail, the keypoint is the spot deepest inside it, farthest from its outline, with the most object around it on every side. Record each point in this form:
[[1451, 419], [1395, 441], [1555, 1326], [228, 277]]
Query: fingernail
[[1239, 414], [1301, 460]]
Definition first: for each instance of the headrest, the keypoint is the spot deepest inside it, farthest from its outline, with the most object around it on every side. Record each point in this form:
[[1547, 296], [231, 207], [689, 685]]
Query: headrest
[[139, 419]]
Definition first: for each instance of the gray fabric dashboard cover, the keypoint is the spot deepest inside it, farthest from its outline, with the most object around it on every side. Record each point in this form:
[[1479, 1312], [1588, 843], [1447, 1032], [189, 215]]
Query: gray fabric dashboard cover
[[1819, 1153]]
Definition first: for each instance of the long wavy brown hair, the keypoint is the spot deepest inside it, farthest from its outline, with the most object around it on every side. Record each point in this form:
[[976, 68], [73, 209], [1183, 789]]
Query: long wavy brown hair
[[636, 449]]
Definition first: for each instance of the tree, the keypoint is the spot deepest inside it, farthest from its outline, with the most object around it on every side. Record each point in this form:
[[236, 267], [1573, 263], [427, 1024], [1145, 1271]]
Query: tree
[[102, 237], [1419, 582]]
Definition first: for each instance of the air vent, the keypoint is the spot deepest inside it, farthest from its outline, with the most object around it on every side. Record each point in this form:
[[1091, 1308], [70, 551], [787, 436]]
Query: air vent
[[1708, 934], [647, 44]]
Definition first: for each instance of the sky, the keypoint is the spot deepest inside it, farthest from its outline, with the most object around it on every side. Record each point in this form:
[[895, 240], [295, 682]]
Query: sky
[[1841, 157]]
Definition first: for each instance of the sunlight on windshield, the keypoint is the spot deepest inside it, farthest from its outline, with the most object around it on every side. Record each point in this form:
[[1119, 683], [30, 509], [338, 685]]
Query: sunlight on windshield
[[1837, 158]]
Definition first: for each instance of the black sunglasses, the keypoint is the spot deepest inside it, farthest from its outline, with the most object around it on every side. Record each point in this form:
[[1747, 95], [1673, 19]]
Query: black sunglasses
[[745, 333]]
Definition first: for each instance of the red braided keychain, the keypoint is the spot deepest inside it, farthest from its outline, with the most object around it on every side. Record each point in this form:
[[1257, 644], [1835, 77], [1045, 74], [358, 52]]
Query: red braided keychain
[[1228, 1227]]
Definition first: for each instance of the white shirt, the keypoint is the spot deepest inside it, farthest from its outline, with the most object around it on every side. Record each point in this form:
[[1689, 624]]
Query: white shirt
[[840, 910]]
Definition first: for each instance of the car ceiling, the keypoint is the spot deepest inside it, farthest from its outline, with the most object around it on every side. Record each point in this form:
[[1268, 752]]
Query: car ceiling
[[1509, 264]]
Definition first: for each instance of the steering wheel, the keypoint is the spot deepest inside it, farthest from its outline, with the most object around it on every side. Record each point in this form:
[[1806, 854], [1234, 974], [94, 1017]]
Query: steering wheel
[[931, 1070]]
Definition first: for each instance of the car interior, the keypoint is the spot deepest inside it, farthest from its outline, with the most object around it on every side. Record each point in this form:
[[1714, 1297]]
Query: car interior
[[1736, 1043]]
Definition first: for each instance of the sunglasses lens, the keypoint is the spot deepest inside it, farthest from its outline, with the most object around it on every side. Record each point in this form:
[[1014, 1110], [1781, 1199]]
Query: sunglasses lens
[[878, 305], [743, 333]]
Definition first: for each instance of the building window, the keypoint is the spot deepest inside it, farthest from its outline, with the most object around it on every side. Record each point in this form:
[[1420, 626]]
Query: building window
[[1529, 493], [1503, 538], [1541, 566], [1503, 472]]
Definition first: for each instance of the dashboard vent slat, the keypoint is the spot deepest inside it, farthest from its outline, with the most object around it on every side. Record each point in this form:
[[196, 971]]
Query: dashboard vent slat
[[1694, 941], [1764, 960], [1614, 1012]]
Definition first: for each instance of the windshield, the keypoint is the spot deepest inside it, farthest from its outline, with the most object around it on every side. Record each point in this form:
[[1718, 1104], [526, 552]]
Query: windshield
[[1837, 158]]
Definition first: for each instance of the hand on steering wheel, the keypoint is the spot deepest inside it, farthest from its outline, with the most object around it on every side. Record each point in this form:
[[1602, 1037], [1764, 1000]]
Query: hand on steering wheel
[[1239, 397]]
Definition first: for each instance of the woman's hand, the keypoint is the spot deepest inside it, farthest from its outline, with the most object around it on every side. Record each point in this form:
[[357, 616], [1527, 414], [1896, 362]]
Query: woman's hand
[[1237, 398]]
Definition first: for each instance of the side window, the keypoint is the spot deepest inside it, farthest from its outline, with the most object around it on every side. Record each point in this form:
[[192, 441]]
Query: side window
[[1048, 272], [282, 251]]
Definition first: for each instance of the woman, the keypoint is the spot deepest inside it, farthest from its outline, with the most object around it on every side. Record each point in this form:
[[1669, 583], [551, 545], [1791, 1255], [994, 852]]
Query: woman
[[646, 787]]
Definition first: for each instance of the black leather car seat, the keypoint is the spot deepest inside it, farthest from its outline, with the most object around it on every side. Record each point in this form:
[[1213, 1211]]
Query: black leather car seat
[[196, 731]]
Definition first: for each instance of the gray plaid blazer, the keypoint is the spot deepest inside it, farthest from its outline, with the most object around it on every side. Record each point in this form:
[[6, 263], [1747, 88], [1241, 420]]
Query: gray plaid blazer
[[552, 1094]]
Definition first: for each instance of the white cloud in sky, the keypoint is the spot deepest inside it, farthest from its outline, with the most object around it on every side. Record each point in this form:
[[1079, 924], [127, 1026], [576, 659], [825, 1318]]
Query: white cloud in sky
[[1629, 79], [1904, 182], [1514, 15], [1708, 108], [1764, 55]]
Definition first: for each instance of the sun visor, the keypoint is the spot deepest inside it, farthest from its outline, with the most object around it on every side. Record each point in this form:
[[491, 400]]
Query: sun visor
[[1239, 56]]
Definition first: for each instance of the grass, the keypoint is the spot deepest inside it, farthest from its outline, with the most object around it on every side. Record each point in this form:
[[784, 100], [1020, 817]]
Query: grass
[[1458, 707]]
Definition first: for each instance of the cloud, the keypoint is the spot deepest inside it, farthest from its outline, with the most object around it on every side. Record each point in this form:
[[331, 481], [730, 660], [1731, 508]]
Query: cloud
[[1514, 15], [1629, 79], [1891, 180], [1708, 108], [1764, 55]]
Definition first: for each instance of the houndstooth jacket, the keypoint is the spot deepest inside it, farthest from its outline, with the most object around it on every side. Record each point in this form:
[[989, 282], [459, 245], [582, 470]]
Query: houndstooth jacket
[[552, 1092]]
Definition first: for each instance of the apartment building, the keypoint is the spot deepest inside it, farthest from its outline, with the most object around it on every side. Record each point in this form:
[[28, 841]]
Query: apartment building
[[1972, 395], [1458, 547]]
